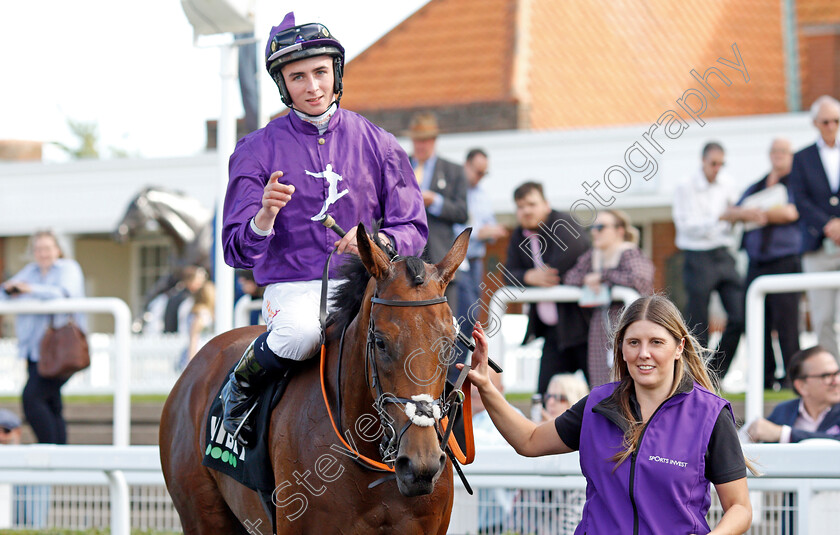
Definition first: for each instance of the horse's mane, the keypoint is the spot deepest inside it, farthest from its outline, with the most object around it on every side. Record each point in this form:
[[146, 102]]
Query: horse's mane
[[347, 300]]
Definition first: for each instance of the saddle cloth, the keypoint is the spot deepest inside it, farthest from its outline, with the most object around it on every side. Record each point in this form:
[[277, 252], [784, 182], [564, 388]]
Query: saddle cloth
[[250, 465]]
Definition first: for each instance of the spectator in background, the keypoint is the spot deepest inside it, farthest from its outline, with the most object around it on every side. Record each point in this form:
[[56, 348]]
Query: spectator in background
[[703, 221], [815, 376], [773, 242], [484, 229], [30, 505], [444, 189], [10, 429], [49, 276], [815, 184], [564, 390], [614, 260], [181, 301], [200, 320], [246, 285], [544, 246]]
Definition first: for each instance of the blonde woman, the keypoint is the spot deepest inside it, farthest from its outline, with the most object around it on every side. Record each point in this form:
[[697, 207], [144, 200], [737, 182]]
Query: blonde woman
[[651, 443], [564, 390], [48, 276], [200, 320], [614, 260]]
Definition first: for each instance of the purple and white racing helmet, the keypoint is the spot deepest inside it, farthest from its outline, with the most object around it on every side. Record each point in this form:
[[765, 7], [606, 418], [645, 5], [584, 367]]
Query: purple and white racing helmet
[[288, 43]]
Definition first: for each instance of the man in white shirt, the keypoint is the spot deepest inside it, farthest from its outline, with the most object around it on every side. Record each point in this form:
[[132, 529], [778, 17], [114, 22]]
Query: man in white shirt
[[815, 184], [703, 212]]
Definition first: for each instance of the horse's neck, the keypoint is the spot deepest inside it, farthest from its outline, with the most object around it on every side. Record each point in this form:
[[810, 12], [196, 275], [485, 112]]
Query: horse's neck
[[356, 398]]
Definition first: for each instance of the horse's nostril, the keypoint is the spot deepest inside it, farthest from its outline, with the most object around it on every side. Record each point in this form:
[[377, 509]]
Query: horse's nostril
[[403, 465], [442, 460]]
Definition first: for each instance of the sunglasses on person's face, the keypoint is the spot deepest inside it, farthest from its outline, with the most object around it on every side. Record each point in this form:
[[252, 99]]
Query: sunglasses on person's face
[[557, 397], [598, 227]]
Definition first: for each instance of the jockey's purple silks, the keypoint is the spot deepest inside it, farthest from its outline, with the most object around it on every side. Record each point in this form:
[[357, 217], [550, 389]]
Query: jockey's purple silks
[[351, 155]]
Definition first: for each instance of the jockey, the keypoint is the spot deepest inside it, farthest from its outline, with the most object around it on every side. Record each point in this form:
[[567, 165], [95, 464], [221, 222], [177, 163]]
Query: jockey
[[318, 159]]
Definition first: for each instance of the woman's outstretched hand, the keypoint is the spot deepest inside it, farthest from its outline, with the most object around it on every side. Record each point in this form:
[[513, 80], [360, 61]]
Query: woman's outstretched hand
[[479, 373]]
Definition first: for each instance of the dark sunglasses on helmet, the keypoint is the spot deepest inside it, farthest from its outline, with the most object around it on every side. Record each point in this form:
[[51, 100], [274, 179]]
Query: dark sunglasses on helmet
[[299, 34]]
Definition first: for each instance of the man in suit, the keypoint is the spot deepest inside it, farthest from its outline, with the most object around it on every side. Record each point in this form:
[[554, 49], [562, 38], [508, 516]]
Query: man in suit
[[816, 414], [444, 188], [815, 184], [542, 248]]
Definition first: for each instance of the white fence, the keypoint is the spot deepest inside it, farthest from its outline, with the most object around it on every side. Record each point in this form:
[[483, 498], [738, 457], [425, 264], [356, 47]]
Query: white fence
[[513, 378], [122, 329], [756, 293], [800, 488]]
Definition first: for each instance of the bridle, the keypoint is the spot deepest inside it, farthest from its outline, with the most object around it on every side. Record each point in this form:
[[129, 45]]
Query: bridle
[[424, 410]]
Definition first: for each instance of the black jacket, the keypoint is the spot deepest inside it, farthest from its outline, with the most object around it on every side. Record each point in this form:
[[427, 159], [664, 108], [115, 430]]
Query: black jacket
[[573, 322]]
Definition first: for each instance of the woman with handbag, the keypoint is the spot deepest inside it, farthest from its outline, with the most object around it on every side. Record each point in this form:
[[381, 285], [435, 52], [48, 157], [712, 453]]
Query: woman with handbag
[[614, 260], [49, 276]]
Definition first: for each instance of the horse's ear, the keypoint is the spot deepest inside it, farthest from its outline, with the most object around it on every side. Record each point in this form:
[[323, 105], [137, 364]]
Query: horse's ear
[[449, 265], [374, 259]]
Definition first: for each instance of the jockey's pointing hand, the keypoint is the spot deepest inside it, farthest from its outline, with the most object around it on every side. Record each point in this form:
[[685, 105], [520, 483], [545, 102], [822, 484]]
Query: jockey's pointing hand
[[275, 196]]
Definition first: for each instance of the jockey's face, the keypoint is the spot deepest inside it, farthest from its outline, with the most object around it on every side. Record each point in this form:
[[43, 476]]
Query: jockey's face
[[310, 83]]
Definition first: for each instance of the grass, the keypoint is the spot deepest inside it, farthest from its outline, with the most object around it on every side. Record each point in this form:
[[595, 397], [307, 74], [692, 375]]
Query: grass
[[105, 399]]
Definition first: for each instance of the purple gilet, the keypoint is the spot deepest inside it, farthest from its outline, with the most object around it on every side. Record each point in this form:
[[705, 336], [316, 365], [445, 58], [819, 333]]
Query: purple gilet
[[353, 156], [662, 487]]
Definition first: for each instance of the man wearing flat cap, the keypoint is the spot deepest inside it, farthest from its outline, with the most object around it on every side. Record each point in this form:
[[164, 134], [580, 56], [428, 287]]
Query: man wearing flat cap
[[444, 188]]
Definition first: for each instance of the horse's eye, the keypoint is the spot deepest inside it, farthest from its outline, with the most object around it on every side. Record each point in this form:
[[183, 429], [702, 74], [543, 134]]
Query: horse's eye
[[380, 343]]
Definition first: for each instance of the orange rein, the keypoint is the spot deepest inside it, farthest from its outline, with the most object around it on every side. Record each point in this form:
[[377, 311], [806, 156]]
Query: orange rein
[[453, 444]]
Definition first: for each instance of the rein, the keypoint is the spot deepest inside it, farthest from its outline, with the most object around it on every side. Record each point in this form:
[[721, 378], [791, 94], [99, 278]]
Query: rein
[[421, 410]]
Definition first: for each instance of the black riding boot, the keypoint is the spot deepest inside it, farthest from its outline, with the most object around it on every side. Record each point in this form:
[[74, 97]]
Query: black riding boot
[[238, 395]]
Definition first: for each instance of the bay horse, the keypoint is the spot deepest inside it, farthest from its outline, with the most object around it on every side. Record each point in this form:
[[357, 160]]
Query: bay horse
[[396, 331]]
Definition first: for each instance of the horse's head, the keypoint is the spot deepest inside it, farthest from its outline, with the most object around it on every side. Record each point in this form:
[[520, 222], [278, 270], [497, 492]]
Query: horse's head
[[182, 217], [138, 213], [410, 344]]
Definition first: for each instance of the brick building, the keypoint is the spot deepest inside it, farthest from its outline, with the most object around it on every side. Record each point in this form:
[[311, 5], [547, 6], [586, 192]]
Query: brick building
[[542, 65]]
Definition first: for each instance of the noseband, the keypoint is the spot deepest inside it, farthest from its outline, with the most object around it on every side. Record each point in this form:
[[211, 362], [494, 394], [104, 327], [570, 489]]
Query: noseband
[[421, 410]]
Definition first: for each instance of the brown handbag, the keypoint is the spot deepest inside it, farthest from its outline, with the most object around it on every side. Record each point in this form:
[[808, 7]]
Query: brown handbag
[[64, 351]]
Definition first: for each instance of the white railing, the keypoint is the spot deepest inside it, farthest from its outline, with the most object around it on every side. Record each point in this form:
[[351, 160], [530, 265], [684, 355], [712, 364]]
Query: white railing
[[756, 293], [122, 331], [242, 310], [809, 470], [113, 461], [516, 294], [806, 469]]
